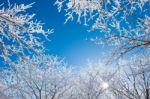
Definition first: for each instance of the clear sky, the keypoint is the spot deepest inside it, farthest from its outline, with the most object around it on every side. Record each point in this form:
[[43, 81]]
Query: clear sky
[[68, 40]]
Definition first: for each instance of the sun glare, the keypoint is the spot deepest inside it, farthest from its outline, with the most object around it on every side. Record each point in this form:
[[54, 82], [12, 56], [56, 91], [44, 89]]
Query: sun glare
[[105, 85]]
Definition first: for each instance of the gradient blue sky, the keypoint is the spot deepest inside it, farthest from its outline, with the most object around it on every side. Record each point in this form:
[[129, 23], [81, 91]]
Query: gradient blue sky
[[68, 40]]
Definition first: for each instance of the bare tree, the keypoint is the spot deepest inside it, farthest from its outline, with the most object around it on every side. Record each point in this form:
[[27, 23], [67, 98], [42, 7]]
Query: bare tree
[[20, 33], [47, 78], [133, 79]]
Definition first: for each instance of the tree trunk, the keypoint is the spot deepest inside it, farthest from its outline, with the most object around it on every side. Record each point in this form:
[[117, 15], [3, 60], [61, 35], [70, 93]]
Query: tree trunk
[[147, 94]]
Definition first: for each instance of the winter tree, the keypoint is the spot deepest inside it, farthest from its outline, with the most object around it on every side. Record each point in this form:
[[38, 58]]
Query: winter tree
[[20, 33], [132, 81], [46, 77], [123, 23], [92, 82]]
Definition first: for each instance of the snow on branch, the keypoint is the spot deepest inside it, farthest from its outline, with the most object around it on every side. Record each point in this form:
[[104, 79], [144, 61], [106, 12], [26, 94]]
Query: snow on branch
[[47, 78], [19, 33], [121, 22]]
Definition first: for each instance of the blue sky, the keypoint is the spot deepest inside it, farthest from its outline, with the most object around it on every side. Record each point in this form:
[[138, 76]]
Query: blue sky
[[68, 40]]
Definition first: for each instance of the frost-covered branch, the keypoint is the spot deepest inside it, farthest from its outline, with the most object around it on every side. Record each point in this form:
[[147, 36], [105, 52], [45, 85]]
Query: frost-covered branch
[[20, 33], [133, 78], [92, 82], [123, 23], [47, 78]]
